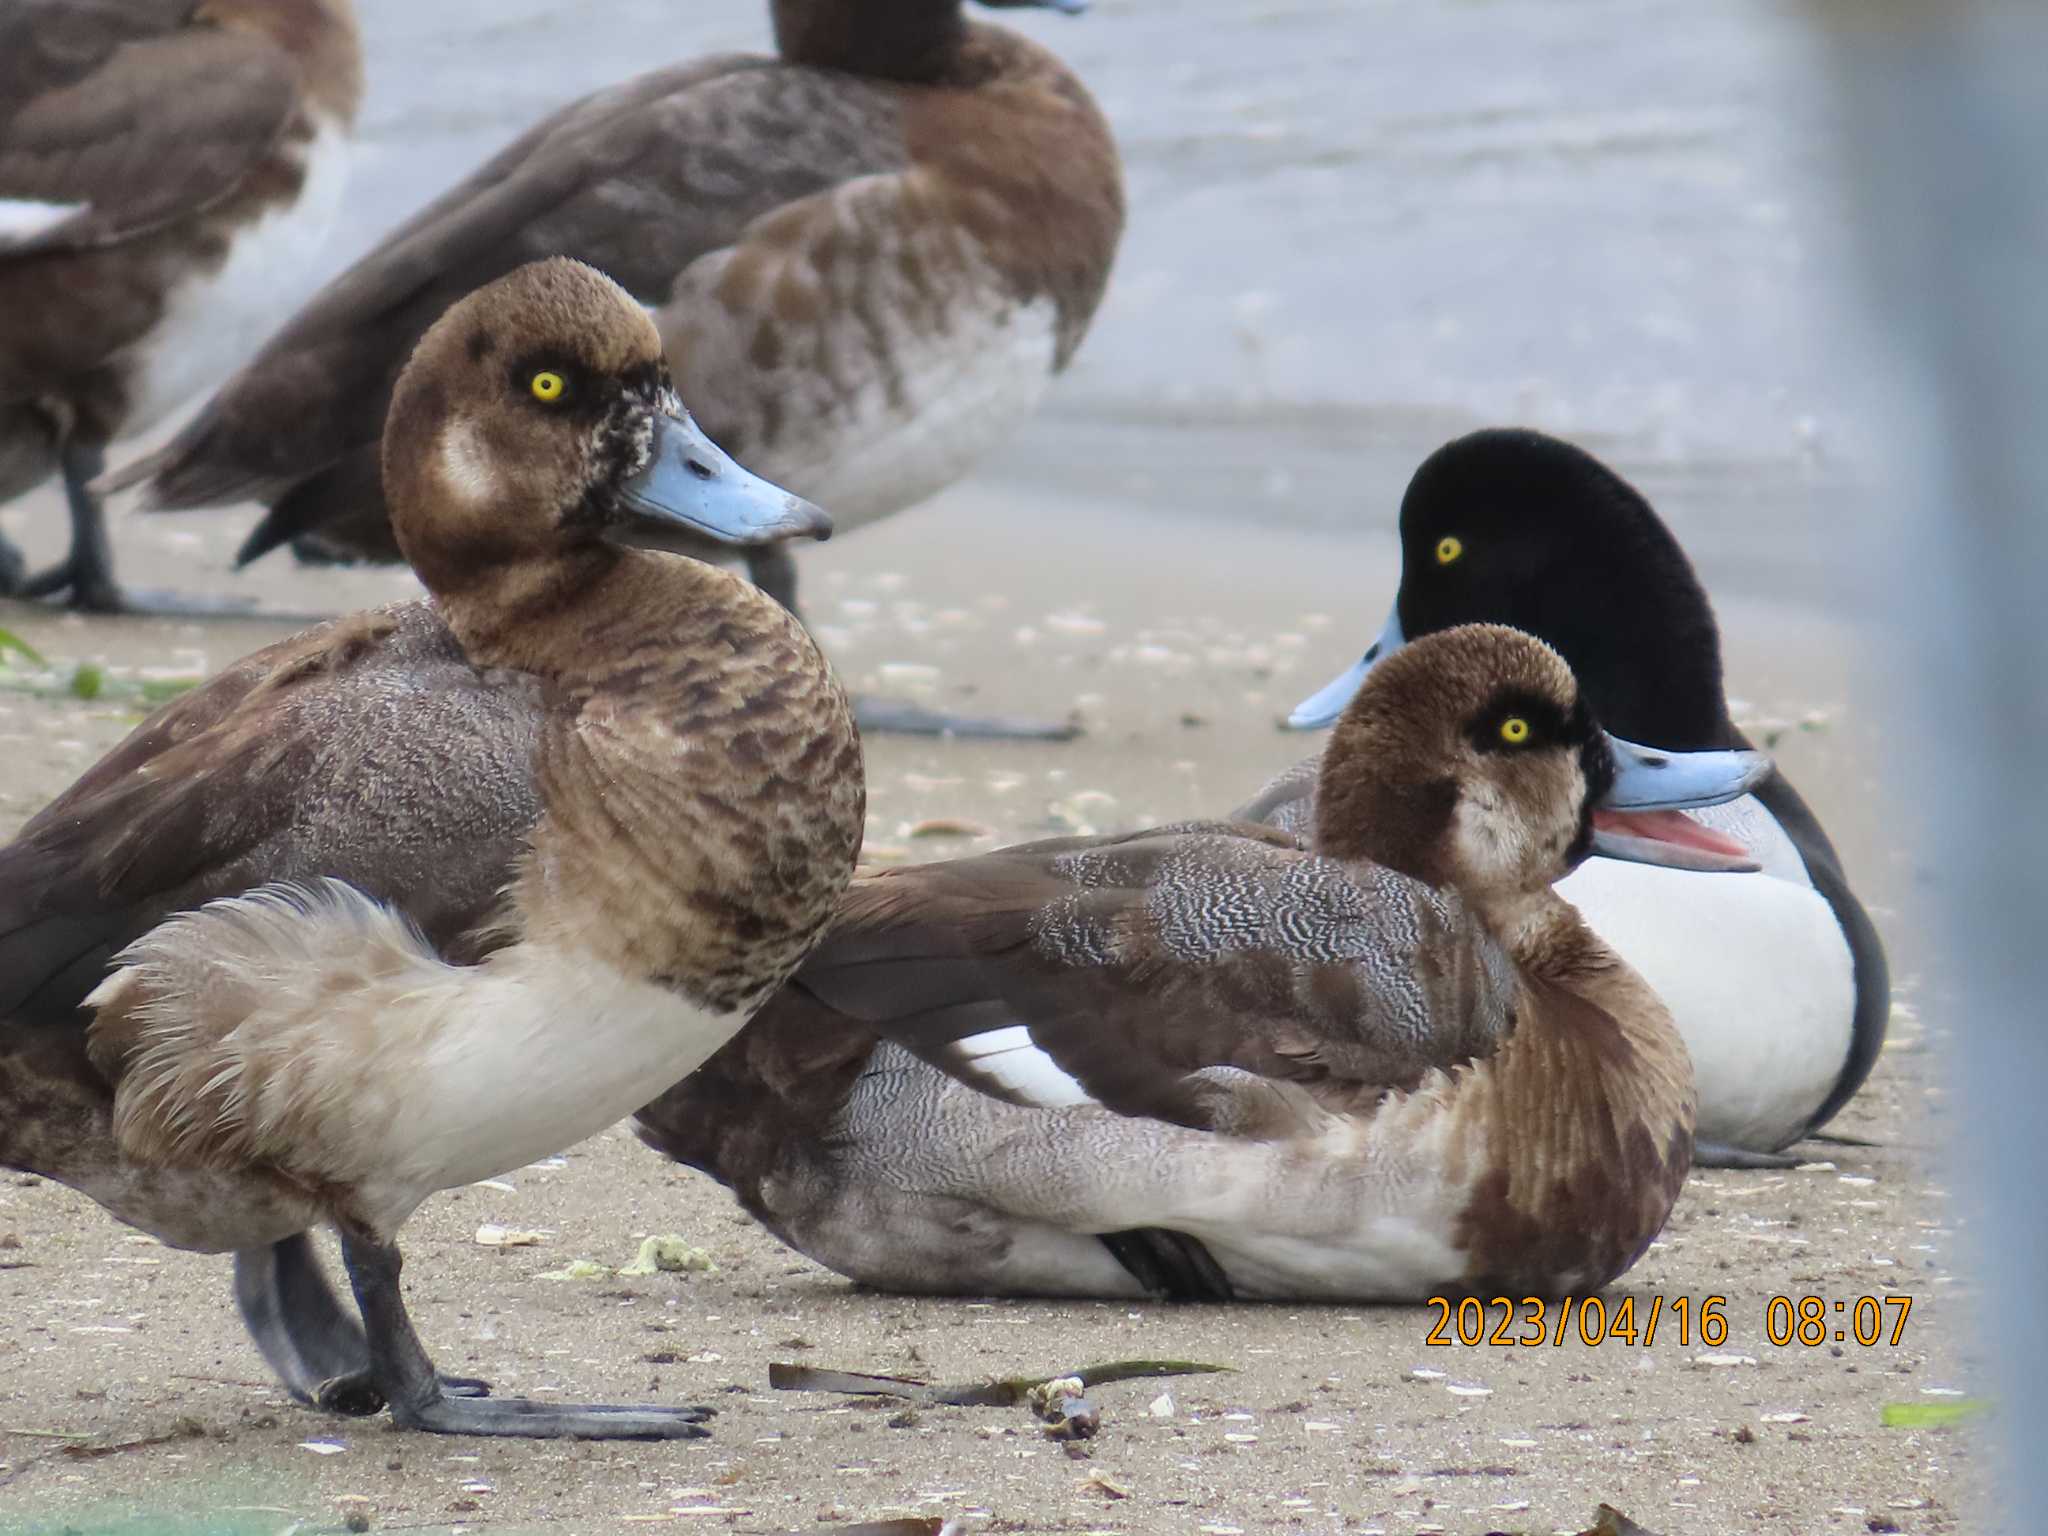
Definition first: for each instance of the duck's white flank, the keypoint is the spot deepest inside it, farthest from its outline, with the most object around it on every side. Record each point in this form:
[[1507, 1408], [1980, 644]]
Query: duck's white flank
[[1344, 1209], [1755, 970], [962, 392], [922, 363], [1008, 1058], [314, 1028], [214, 321], [23, 218]]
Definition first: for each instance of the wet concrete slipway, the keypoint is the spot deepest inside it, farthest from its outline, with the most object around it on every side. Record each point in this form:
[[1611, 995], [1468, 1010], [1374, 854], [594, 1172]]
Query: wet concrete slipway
[[1358, 227]]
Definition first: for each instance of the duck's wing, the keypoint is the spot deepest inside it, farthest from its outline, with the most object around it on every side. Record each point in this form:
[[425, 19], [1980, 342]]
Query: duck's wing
[[1122, 971], [367, 749], [116, 120], [1287, 801], [639, 180]]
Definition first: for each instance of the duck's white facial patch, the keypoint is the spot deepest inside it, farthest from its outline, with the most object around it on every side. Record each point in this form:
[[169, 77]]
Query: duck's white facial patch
[[466, 463]]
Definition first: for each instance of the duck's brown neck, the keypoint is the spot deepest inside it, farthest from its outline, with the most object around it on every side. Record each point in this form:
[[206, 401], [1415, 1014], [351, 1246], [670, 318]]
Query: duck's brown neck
[[1589, 1107], [698, 765], [580, 617], [914, 41]]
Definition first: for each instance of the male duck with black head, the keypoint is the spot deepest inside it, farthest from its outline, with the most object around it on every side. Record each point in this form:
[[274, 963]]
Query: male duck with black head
[[431, 891], [168, 172], [868, 256], [1780, 985], [1205, 1061]]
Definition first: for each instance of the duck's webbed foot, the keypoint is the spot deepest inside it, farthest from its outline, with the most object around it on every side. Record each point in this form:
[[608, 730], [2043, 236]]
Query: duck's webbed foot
[[405, 1378], [1715, 1154], [306, 1336], [900, 717]]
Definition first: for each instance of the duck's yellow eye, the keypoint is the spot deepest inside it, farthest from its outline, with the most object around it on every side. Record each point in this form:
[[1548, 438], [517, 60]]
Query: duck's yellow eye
[[1448, 548], [548, 386], [1514, 730]]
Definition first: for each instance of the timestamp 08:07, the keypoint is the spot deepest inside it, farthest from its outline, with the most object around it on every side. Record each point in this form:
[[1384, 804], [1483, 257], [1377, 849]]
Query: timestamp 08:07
[[1536, 1321]]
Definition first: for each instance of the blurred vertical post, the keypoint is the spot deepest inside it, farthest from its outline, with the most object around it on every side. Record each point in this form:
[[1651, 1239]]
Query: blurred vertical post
[[1943, 116]]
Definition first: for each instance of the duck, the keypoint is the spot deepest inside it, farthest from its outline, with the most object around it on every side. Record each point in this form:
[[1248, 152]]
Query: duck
[[868, 254], [169, 170], [1209, 1062], [428, 892], [1779, 985]]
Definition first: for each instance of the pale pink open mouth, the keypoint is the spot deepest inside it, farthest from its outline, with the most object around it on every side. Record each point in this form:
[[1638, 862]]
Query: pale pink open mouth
[[1670, 838], [1674, 827]]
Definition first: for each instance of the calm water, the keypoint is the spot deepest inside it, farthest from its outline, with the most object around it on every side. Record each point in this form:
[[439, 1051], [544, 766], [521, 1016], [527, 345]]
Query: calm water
[[1357, 227]]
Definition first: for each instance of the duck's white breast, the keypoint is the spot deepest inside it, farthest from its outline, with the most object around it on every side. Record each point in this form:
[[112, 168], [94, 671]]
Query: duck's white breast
[[528, 1053], [862, 350], [1754, 968], [214, 321], [961, 393]]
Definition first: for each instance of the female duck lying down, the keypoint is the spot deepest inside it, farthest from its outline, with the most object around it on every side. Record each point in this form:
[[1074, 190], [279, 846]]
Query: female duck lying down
[[1206, 1061]]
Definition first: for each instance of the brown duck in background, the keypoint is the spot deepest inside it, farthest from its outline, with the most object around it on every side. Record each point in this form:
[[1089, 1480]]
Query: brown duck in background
[[469, 873], [868, 256], [168, 171], [1208, 1062]]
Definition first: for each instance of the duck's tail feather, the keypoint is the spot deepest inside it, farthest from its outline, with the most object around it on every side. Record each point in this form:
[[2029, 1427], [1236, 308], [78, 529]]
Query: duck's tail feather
[[219, 1026]]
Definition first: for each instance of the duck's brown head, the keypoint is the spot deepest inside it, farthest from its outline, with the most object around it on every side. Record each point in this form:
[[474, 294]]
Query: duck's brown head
[[535, 423], [1470, 759]]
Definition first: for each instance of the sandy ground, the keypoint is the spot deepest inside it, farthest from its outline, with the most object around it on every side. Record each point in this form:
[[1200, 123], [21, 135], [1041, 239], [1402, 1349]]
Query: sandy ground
[[128, 1394]]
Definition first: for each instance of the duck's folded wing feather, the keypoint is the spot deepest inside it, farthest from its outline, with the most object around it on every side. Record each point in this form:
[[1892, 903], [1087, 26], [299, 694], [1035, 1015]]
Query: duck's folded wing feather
[[1125, 971], [639, 181], [114, 122], [366, 749], [1286, 801]]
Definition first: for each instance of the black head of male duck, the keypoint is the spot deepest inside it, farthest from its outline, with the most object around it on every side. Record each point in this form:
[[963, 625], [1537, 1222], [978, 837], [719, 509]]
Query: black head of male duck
[[168, 171], [868, 256], [1786, 1018], [1206, 1061], [585, 809]]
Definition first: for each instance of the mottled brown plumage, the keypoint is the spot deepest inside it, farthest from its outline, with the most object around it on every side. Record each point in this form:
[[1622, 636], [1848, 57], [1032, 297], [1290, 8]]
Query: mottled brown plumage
[[158, 137], [477, 866], [867, 255], [1390, 1065]]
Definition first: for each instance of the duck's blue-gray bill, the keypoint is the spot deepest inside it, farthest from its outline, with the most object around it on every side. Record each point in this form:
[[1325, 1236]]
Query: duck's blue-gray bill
[[1647, 779], [1322, 707], [691, 486]]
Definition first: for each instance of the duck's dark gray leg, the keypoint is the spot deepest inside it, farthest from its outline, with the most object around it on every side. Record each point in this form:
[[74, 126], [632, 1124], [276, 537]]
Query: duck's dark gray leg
[[1170, 1264], [316, 1348], [773, 569], [13, 570], [406, 1379], [86, 574]]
